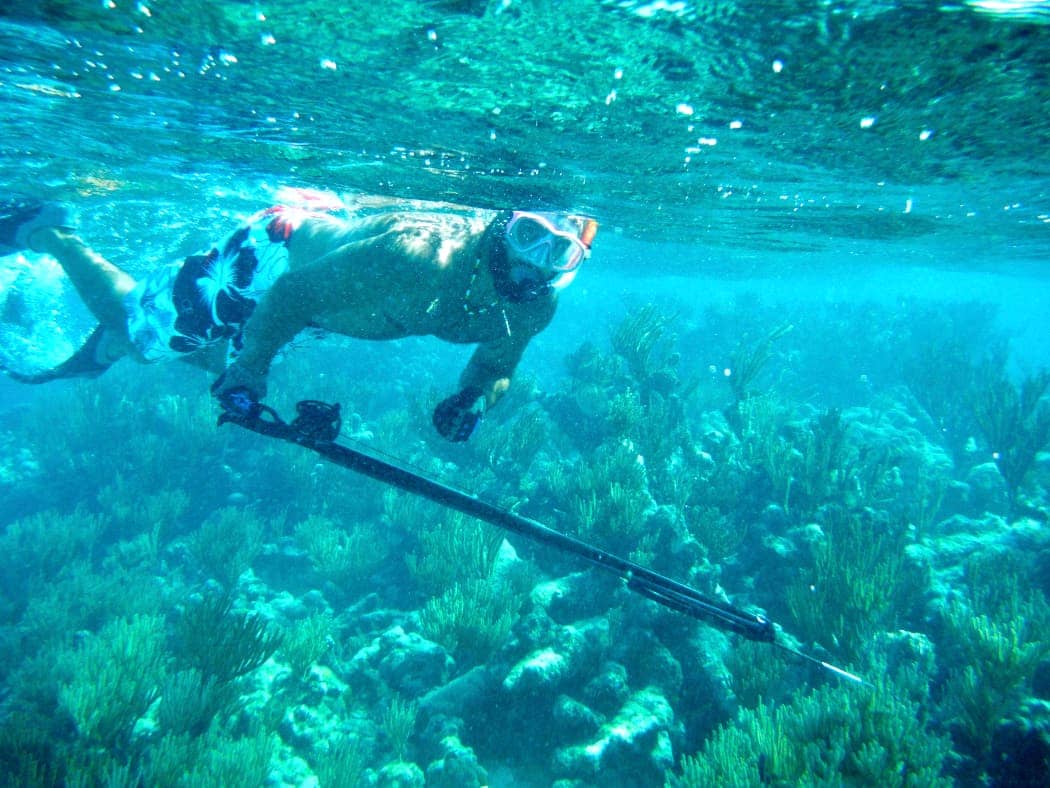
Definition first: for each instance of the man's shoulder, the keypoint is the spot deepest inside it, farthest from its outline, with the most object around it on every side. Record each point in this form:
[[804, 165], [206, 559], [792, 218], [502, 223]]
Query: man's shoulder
[[434, 239], [447, 224]]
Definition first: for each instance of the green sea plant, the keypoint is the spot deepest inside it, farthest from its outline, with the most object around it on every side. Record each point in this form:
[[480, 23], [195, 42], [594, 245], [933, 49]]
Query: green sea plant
[[719, 533], [650, 407], [859, 582], [234, 763], [188, 419], [404, 511], [716, 484], [79, 452], [30, 753], [306, 641], [826, 474], [228, 542], [398, 721], [453, 549], [756, 672], [143, 551], [343, 765], [589, 367], [73, 713], [625, 413], [748, 361], [134, 511], [220, 644], [581, 412], [994, 635], [80, 598], [471, 619], [169, 758], [1015, 422], [510, 450], [656, 426], [393, 427], [927, 498], [759, 423], [101, 768], [960, 349], [641, 340], [833, 735], [806, 465], [341, 555], [189, 701], [35, 549], [608, 496], [114, 677]]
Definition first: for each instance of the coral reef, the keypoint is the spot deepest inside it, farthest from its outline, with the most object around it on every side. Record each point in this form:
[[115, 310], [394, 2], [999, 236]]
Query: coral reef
[[194, 606]]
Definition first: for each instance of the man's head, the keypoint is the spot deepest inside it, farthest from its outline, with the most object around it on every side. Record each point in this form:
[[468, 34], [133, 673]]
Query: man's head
[[544, 250]]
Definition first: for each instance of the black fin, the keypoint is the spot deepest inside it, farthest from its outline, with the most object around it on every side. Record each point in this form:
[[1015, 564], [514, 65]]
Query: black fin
[[85, 363]]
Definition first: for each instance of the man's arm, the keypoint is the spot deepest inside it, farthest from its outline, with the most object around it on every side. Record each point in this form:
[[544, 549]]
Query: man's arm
[[487, 375], [493, 363], [294, 301], [491, 366], [288, 307]]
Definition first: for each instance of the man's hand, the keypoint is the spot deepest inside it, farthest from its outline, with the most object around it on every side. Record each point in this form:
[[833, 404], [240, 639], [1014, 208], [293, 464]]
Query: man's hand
[[456, 417], [239, 390]]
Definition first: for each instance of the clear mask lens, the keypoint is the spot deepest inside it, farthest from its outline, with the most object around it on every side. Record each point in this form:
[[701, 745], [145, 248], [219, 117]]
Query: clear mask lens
[[535, 239]]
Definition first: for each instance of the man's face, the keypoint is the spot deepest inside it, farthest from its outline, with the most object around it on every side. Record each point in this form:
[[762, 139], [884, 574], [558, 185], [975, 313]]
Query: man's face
[[548, 242]]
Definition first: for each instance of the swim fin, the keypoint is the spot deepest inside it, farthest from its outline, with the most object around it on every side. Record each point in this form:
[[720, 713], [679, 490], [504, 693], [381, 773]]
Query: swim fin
[[94, 357]]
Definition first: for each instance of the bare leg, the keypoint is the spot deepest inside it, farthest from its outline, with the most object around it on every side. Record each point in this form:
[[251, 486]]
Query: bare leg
[[101, 285]]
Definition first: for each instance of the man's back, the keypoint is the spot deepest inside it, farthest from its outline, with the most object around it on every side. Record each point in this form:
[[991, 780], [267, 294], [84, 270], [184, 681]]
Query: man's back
[[406, 273]]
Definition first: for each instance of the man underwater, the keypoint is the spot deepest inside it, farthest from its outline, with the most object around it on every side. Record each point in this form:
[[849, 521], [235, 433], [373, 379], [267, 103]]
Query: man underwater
[[461, 274]]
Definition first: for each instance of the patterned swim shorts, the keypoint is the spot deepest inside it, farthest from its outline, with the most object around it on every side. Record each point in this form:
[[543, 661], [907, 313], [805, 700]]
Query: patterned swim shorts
[[207, 298]]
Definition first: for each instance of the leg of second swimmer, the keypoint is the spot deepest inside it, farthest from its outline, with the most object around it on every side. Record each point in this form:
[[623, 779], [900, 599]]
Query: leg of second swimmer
[[101, 285]]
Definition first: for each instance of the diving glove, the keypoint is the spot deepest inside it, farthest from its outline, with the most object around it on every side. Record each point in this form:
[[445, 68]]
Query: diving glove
[[239, 390], [457, 416]]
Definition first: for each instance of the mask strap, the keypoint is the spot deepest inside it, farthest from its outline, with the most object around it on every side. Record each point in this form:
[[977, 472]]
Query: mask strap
[[590, 229]]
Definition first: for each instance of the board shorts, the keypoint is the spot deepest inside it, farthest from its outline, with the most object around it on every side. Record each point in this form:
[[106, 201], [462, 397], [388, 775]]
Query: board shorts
[[207, 298]]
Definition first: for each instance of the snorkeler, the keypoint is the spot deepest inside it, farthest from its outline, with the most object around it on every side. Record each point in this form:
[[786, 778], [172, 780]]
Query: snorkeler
[[461, 274]]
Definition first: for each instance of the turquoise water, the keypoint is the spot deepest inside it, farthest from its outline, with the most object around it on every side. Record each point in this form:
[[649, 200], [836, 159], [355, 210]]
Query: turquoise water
[[849, 200]]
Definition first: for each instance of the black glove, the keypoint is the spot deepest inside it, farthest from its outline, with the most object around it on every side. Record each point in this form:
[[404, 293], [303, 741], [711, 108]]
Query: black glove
[[239, 391], [456, 417]]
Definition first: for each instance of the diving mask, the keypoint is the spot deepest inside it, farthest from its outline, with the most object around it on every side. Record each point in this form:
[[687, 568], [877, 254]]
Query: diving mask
[[550, 242]]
